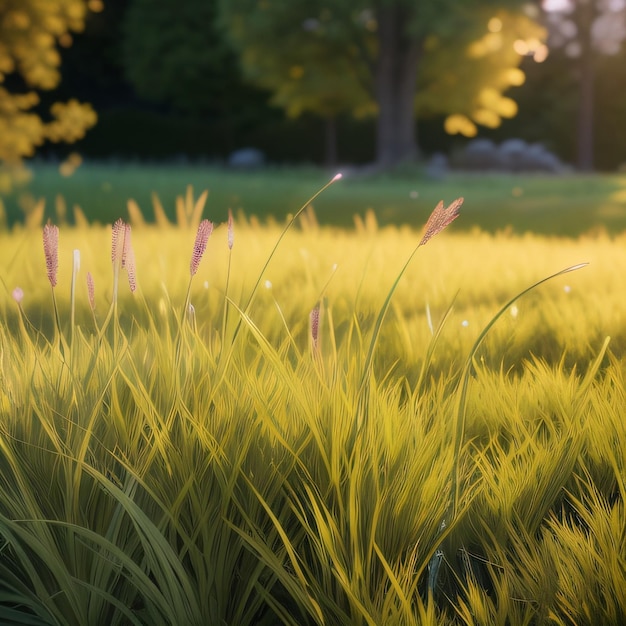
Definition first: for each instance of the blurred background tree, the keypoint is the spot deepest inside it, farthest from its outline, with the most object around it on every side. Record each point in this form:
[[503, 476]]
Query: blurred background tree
[[172, 53], [586, 32], [394, 58], [30, 33], [167, 79]]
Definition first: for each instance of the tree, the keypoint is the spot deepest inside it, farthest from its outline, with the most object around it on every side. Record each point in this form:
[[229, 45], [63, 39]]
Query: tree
[[30, 32], [174, 54], [333, 56], [586, 30]]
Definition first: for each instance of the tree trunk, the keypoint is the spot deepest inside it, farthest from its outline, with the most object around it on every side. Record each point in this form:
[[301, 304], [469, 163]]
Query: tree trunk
[[585, 90], [395, 85]]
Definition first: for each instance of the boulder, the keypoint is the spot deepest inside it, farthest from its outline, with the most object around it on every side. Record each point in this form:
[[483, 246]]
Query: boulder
[[246, 158]]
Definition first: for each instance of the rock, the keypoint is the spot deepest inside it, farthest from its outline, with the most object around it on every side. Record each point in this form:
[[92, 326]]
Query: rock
[[479, 154], [437, 166], [246, 158], [512, 155]]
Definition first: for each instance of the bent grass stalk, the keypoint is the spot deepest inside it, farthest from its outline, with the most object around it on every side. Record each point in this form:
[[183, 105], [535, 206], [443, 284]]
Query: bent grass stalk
[[246, 308], [439, 219], [460, 412]]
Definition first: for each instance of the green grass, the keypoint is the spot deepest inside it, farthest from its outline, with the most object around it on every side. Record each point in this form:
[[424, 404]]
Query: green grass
[[160, 466], [553, 205]]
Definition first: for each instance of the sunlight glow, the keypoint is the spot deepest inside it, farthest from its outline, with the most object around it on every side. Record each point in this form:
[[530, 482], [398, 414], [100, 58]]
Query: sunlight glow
[[521, 47], [541, 54], [557, 5], [494, 25]]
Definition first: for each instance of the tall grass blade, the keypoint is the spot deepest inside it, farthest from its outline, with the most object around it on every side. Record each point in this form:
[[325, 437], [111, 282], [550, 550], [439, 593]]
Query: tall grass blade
[[459, 424]]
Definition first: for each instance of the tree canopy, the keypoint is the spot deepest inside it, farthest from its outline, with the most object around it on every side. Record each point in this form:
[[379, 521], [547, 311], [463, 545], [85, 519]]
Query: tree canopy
[[173, 53], [392, 58], [30, 33]]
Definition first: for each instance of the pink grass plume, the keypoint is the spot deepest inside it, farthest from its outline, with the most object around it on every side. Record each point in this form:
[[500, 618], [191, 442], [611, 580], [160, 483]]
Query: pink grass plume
[[231, 232], [128, 259], [117, 243], [51, 251], [440, 218], [91, 291], [314, 321], [202, 237]]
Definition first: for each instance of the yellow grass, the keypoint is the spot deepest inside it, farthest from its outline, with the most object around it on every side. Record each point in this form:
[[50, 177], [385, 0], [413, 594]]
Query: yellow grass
[[166, 466]]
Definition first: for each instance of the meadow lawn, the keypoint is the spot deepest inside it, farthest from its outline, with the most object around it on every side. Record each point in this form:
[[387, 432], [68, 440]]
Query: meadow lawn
[[567, 205], [326, 435]]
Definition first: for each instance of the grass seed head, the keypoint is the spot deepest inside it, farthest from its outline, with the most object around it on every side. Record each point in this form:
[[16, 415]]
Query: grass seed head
[[91, 291], [126, 246], [128, 259], [231, 233], [202, 237], [117, 245], [51, 251], [314, 320], [440, 218]]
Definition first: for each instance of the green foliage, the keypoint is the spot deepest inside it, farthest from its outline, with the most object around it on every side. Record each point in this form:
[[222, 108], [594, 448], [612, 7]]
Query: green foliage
[[311, 56], [322, 57], [174, 53], [173, 466]]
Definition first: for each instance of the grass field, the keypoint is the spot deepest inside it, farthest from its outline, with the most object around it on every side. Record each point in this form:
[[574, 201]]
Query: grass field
[[564, 206], [290, 449]]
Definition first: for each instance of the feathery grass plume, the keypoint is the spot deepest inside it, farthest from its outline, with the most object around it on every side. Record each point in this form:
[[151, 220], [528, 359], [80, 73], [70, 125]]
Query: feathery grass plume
[[314, 322], [202, 237], [116, 244], [117, 249], [91, 291], [440, 218], [51, 251], [91, 295], [205, 228], [231, 232], [118, 232], [128, 259]]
